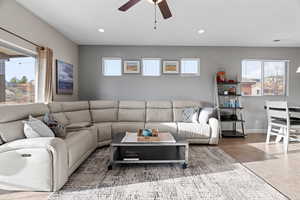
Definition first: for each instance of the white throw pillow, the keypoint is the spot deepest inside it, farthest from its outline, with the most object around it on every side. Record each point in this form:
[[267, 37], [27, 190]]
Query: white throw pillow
[[206, 114], [36, 128]]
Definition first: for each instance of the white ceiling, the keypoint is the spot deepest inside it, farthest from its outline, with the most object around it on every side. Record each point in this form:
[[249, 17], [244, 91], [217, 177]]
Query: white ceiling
[[226, 22]]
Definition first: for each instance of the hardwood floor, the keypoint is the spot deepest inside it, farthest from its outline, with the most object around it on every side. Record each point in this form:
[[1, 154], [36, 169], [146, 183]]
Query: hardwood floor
[[267, 161]]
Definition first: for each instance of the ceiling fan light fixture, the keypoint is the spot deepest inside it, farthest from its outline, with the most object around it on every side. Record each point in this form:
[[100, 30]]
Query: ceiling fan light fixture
[[152, 2], [201, 31]]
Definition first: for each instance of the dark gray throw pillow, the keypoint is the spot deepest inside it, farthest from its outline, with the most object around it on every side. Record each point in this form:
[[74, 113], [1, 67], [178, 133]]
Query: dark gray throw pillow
[[58, 129]]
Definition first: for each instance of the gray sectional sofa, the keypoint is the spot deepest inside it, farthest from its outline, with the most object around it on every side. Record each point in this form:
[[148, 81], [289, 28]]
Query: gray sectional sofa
[[44, 164]]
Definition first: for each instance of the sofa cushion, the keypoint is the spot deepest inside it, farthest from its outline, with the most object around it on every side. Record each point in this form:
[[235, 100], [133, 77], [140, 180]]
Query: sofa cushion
[[78, 126], [57, 112], [159, 104], [163, 126], [77, 111], [131, 111], [121, 127], [75, 106], [55, 107], [11, 125], [78, 116], [11, 113], [179, 106], [132, 104], [159, 111], [104, 131], [104, 111], [12, 131], [131, 115], [78, 143], [194, 130]]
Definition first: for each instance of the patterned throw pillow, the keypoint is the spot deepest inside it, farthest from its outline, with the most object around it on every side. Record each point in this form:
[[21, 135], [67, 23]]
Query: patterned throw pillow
[[58, 129], [190, 115], [34, 128]]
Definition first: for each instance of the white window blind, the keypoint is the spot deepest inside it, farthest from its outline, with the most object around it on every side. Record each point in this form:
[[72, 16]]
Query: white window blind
[[190, 66], [151, 67], [112, 66]]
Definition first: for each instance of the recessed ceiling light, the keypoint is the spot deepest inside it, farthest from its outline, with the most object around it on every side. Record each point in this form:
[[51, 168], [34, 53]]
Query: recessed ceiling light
[[277, 40], [201, 31], [101, 30]]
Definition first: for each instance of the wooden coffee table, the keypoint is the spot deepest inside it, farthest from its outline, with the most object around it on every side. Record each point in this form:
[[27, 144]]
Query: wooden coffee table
[[148, 152]]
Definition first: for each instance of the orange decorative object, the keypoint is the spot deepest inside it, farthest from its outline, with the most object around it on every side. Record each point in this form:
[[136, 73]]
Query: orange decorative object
[[221, 77]]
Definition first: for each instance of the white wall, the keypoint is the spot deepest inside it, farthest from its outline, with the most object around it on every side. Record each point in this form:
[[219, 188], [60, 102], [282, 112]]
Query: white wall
[[22, 22]]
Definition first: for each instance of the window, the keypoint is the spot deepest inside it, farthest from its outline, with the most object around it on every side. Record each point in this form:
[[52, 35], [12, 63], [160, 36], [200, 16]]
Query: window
[[17, 79], [190, 66], [261, 77], [112, 66], [151, 67]]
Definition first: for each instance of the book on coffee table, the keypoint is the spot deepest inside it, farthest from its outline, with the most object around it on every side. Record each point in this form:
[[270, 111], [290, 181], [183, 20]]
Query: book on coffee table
[[163, 137]]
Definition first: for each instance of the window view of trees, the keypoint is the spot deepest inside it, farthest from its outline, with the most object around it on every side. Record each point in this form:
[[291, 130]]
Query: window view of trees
[[264, 77], [20, 80]]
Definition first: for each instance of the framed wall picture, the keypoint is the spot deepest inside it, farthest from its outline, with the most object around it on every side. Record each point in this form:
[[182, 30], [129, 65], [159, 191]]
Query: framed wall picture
[[171, 67], [64, 78], [132, 67]]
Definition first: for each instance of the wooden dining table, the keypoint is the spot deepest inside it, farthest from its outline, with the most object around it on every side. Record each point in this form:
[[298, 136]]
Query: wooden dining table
[[295, 109]]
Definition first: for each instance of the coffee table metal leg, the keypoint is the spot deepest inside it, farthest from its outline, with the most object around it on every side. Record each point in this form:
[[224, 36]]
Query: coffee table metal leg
[[112, 153], [186, 156]]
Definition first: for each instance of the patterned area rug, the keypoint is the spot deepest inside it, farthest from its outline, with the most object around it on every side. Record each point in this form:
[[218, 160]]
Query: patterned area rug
[[211, 175]]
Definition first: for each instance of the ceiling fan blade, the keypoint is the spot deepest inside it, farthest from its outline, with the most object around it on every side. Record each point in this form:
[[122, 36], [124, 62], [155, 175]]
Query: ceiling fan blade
[[164, 9], [128, 5]]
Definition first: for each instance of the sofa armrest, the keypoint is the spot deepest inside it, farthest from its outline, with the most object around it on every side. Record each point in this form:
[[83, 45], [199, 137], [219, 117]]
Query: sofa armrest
[[215, 131], [35, 164]]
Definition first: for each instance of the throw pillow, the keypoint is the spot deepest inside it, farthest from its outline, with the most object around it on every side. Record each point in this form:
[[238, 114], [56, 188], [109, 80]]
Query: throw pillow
[[190, 114], [36, 128], [206, 114], [57, 128]]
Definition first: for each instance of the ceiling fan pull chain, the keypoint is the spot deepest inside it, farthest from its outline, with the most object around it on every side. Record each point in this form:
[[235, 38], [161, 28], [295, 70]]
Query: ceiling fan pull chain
[[155, 19]]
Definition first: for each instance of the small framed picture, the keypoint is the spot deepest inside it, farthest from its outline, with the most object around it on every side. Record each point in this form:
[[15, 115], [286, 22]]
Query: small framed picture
[[171, 67], [132, 67]]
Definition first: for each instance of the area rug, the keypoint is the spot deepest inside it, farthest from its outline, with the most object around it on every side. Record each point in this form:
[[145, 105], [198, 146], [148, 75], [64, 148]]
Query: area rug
[[212, 175]]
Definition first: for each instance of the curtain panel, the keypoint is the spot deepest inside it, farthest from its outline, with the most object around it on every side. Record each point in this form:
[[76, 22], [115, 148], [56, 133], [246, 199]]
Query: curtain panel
[[44, 75]]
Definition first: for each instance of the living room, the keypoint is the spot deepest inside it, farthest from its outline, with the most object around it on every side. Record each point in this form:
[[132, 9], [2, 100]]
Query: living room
[[147, 99]]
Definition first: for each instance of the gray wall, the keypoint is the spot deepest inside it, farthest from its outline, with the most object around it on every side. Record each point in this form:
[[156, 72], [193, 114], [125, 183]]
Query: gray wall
[[93, 85]]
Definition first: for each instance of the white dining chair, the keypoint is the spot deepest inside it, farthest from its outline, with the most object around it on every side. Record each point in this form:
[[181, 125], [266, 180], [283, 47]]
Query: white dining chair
[[279, 122]]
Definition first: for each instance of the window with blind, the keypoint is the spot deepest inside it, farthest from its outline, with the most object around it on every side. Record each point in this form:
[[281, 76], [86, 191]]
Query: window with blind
[[190, 66], [264, 77], [151, 67], [112, 66]]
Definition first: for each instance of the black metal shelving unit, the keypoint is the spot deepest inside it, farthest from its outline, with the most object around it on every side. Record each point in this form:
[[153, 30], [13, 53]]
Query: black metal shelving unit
[[231, 104]]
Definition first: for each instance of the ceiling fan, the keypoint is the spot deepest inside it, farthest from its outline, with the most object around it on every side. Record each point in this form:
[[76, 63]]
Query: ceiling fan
[[162, 4]]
